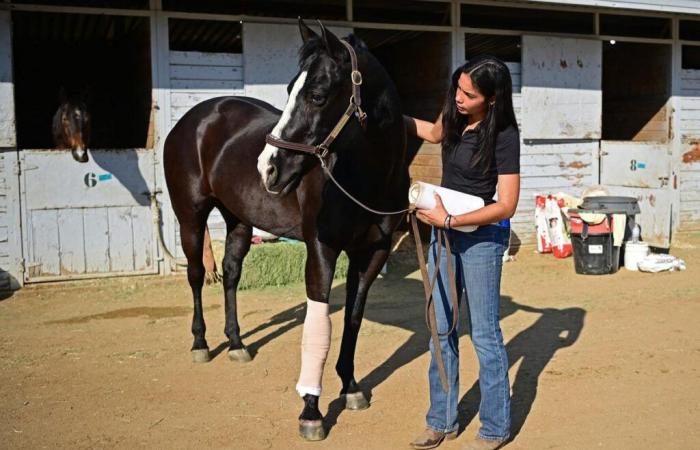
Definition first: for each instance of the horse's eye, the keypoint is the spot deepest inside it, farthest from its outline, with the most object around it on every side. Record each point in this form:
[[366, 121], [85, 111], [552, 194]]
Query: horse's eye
[[318, 100]]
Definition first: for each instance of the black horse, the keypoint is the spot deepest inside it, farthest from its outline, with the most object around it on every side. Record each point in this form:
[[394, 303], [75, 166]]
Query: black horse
[[71, 125], [210, 161]]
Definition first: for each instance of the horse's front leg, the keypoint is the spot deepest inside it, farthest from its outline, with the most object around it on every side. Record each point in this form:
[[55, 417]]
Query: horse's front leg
[[316, 337], [363, 270]]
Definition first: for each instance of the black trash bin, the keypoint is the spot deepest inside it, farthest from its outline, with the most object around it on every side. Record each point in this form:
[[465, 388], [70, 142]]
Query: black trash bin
[[593, 245]]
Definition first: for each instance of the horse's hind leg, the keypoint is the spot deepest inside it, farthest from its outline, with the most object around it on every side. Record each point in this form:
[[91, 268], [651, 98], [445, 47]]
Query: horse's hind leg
[[237, 245], [362, 271], [192, 237]]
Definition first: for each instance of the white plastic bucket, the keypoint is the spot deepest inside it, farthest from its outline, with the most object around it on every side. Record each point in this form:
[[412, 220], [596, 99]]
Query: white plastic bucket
[[634, 253]]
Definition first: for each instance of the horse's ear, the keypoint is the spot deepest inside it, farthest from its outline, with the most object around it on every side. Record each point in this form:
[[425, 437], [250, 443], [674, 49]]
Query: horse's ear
[[331, 41], [62, 96], [306, 33]]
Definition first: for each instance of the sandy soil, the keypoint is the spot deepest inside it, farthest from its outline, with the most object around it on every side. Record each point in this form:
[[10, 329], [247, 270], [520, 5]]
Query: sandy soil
[[597, 362]]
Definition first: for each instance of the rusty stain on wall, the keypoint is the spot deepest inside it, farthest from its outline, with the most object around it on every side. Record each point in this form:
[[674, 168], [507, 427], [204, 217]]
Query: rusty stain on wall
[[693, 155], [574, 165]]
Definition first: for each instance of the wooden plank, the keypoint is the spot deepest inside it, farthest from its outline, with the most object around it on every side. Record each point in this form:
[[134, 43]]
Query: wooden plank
[[205, 73], [96, 235], [427, 160], [201, 85], [142, 229], [562, 160], [72, 239], [44, 243], [555, 182], [689, 196], [689, 102], [205, 59], [576, 148], [421, 171], [121, 243], [583, 169]]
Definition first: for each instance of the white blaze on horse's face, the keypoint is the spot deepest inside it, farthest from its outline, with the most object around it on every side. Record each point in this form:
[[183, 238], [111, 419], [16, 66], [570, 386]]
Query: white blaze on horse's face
[[270, 150]]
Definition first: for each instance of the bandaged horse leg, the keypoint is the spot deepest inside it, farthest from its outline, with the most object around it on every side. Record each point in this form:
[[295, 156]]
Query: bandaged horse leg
[[315, 343]]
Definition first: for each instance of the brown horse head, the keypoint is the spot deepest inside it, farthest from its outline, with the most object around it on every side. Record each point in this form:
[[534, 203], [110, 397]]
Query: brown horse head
[[71, 126]]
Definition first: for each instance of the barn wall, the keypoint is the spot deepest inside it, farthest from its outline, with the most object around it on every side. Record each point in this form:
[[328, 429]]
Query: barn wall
[[678, 6], [7, 98], [195, 77], [271, 59], [690, 149], [10, 231]]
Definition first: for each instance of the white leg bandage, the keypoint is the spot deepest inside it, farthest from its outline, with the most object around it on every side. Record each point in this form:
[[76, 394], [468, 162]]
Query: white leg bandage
[[315, 342]]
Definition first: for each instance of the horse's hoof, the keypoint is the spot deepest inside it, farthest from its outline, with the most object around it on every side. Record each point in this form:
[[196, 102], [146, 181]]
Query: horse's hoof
[[240, 355], [356, 401], [200, 355], [312, 430]]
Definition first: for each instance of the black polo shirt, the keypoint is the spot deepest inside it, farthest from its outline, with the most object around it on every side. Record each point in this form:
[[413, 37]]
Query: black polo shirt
[[458, 173]]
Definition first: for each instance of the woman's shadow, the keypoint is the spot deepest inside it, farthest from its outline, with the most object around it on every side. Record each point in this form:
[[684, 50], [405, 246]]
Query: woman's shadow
[[535, 345]]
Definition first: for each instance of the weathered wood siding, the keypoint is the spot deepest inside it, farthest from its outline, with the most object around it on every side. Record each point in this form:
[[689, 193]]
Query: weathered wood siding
[[195, 77], [10, 239], [10, 230], [7, 99], [86, 219], [549, 169], [561, 93], [690, 142]]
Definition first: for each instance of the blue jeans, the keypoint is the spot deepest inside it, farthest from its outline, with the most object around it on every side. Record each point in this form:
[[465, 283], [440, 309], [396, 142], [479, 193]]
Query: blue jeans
[[477, 261]]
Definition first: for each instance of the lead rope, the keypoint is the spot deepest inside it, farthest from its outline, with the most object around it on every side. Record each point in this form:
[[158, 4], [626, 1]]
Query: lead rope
[[428, 286]]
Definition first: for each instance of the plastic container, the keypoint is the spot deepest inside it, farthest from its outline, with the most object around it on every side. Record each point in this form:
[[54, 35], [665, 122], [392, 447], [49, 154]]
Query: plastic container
[[634, 253], [594, 252]]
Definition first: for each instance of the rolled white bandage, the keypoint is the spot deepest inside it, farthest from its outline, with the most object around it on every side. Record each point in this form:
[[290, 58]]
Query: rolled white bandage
[[315, 342]]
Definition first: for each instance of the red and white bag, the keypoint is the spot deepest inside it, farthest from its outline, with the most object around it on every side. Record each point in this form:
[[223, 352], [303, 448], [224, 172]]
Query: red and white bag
[[558, 236], [544, 245]]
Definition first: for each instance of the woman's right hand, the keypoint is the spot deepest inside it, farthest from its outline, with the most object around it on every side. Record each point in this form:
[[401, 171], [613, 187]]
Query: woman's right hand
[[428, 131]]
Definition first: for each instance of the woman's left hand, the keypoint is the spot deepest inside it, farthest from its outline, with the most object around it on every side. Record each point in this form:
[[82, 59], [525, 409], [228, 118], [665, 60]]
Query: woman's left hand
[[436, 216]]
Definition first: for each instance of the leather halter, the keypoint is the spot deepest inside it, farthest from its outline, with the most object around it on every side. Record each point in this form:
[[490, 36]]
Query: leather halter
[[322, 149]]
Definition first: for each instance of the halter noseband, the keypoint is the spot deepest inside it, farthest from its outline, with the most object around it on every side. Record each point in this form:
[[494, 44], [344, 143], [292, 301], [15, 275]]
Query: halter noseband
[[321, 150]]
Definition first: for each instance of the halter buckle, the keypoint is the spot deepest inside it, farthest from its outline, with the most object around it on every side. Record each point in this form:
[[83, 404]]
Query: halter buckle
[[356, 77], [323, 151]]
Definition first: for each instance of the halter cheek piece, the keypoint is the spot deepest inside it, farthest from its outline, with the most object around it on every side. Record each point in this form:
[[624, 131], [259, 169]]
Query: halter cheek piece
[[354, 108]]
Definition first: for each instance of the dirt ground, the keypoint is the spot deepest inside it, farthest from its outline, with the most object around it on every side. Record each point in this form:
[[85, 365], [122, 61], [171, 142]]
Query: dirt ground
[[596, 362]]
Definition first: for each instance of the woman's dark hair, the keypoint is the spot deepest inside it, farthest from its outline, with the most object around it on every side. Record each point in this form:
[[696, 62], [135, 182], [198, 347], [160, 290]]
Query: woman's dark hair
[[492, 78]]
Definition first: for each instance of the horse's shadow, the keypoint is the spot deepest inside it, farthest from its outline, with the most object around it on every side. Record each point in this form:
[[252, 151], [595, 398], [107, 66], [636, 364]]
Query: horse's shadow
[[124, 165], [535, 345]]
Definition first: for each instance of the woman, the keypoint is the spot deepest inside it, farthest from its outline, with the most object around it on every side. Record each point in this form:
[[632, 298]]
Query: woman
[[480, 156]]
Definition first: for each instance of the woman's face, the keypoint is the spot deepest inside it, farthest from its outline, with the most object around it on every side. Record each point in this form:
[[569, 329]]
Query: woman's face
[[468, 98]]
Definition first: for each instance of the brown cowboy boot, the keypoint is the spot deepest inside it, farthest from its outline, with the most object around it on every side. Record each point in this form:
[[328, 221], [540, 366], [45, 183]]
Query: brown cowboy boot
[[431, 439], [479, 443]]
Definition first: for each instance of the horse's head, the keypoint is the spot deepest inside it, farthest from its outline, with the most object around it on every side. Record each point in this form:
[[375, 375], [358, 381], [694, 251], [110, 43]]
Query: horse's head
[[318, 96], [71, 126]]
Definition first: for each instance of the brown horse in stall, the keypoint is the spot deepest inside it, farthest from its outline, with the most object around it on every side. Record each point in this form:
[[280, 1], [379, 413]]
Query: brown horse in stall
[[71, 125]]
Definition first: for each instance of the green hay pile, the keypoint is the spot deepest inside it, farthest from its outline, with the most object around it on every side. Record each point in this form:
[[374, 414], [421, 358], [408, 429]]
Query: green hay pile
[[275, 264]]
